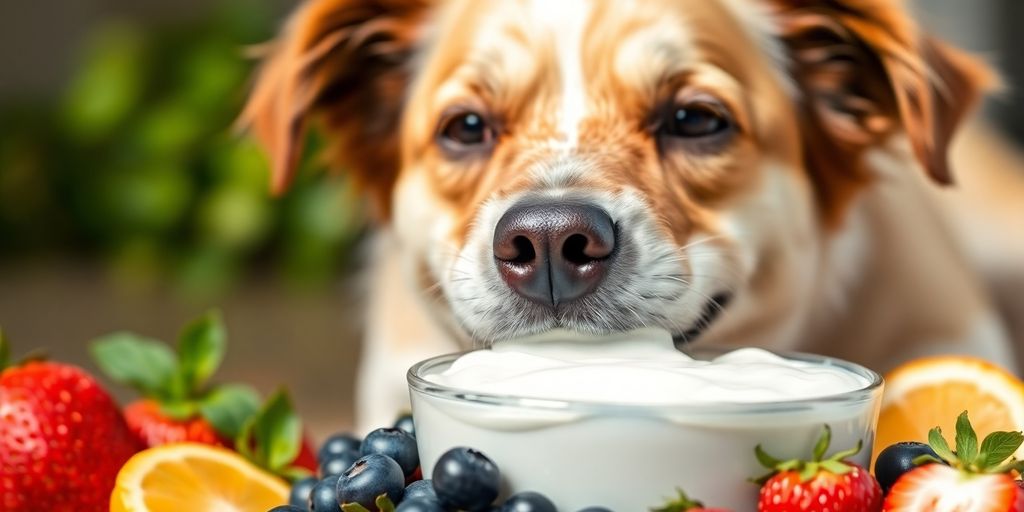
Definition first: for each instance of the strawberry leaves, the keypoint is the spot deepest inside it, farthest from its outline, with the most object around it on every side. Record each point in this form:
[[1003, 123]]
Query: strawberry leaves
[[681, 503], [179, 380], [201, 348], [990, 458], [228, 407], [142, 363], [808, 469], [272, 438]]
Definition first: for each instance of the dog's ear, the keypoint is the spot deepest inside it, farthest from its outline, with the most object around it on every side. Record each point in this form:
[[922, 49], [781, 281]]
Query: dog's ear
[[865, 72], [345, 62]]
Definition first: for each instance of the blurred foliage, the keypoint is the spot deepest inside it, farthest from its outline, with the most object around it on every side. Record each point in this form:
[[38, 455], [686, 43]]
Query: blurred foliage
[[137, 163]]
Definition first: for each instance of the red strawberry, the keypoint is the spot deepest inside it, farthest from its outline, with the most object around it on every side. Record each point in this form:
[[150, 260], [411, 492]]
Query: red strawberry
[[62, 439], [683, 503], [978, 479], [824, 485], [179, 404], [154, 428]]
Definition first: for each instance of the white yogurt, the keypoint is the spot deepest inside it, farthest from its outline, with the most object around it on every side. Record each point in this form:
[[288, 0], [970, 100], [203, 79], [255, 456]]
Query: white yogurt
[[622, 422], [642, 367]]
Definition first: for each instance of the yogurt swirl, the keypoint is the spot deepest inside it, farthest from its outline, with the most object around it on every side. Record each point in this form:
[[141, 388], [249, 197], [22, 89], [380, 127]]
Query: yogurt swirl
[[640, 367]]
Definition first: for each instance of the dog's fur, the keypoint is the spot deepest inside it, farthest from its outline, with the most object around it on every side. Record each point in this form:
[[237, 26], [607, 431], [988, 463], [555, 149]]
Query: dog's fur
[[811, 209]]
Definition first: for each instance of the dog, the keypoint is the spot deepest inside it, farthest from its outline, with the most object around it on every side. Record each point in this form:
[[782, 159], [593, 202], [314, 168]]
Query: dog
[[736, 172]]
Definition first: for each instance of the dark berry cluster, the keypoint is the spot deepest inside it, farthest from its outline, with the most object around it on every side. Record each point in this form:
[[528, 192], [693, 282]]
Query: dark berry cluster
[[381, 473]]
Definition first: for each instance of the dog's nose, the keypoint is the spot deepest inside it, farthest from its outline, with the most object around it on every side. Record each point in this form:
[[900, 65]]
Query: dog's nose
[[554, 253]]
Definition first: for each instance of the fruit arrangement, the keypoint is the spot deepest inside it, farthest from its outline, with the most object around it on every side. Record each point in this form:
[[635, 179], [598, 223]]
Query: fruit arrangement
[[190, 443]]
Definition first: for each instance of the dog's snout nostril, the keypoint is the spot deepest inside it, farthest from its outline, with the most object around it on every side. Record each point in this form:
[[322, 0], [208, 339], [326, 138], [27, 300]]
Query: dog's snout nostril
[[575, 250], [554, 253], [525, 252]]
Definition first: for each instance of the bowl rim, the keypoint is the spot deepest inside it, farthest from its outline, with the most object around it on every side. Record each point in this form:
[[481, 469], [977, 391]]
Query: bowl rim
[[871, 391]]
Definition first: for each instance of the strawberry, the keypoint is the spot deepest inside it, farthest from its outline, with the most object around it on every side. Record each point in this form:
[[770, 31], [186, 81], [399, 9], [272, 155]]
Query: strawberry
[[62, 438], [819, 484], [978, 479], [179, 404], [683, 503]]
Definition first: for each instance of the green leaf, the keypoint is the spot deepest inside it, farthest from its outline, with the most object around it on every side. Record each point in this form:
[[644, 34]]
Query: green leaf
[[294, 473], [766, 460], [809, 471], [822, 445], [925, 459], [201, 347], [938, 443], [228, 407], [845, 454], [1013, 465], [384, 503], [998, 446], [277, 432], [681, 503], [836, 467], [179, 410], [5, 351], [142, 363], [353, 507], [966, 440]]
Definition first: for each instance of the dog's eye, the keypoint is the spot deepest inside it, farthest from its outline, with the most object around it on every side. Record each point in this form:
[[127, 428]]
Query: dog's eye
[[467, 129], [694, 121]]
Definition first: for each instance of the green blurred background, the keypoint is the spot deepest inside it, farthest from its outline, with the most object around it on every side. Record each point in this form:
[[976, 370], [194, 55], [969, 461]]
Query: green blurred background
[[128, 201]]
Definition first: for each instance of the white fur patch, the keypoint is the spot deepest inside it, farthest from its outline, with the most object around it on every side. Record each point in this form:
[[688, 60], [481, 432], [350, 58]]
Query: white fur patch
[[566, 20]]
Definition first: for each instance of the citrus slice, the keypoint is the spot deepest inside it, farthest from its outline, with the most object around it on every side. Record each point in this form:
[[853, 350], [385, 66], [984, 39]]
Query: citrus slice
[[932, 392], [189, 476]]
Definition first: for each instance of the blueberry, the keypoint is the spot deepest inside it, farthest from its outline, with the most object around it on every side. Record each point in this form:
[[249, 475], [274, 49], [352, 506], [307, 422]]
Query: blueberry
[[528, 502], [396, 444], [405, 423], [337, 464], [287, 508], [338, 444], [408, 505], [371, 476], [896, 460], [465, 479], [420, 490], [299, 496], [323, 497]]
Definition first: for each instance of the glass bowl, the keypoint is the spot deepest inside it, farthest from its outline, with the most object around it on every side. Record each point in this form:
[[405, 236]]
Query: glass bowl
[[630, 457]]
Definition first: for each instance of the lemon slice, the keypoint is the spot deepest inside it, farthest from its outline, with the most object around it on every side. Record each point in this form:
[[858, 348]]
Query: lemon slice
[[188, 476], [932, 392]]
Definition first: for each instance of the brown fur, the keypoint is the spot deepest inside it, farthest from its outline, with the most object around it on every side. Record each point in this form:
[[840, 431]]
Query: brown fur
[[867, 72]]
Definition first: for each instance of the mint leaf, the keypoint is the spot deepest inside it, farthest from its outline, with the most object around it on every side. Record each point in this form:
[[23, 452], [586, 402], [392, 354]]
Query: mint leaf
[[228, 407], [998, 446], [966, 440], [201, 347], [5, 351], [277, 432], [822, 445], [142, 363], [938, 443]]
